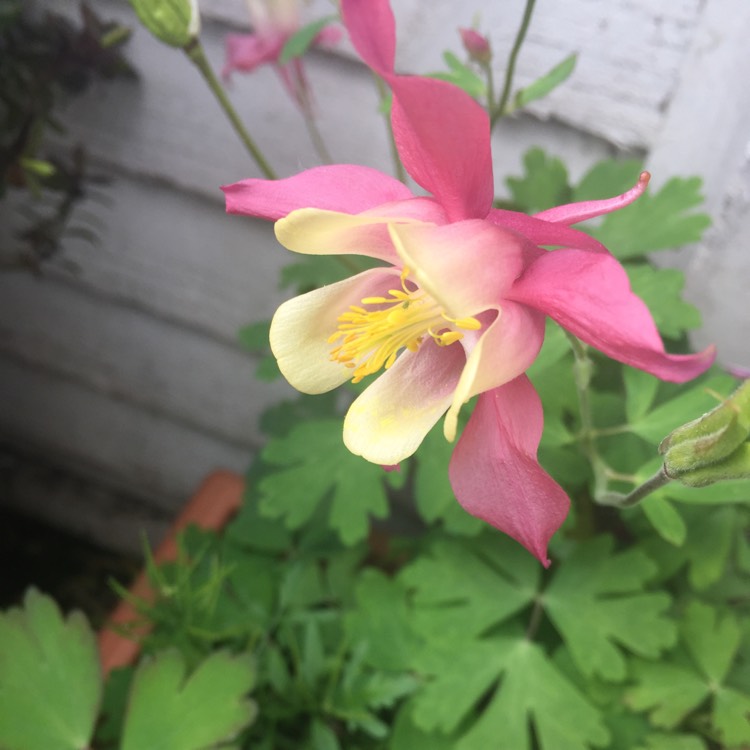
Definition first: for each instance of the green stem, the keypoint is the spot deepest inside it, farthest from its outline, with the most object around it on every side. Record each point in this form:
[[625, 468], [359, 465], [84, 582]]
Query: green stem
[[490, 87], [317, 138], [582, 367], [195, 53], [312, 126], [397, 165], [510, 70], [639, 493]]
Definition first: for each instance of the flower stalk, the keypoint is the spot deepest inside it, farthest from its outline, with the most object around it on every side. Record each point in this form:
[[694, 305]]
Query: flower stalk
[[619, 500], [194, 51], [502, 106]]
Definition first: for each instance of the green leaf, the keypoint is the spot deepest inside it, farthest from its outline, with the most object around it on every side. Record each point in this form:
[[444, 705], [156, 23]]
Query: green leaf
[[664, 741], [460, 588], [310, 464], [665, 518], [547, 83], [407, 736], [38, 167], [640, 391], [520, 686], [711, 640], [710, 538], [114, 702], [656, 221], [461, 75], [171, 711], [731, 712], [381, 622], [544, 184], [254, 338], [316, 271], [50, 683], [299, 42], [661, 290], [706, 550], [596, 601], [669, 691], [608, 178], [672, 690], [322, 737]]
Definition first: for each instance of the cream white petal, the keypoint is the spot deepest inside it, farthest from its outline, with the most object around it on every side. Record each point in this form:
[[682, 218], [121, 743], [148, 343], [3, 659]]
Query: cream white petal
[[387, 422], [301, 327]]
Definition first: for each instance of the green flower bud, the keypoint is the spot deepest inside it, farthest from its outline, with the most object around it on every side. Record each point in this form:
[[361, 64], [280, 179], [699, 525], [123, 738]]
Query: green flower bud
[[174, 22], [712, 447], [734, 466]]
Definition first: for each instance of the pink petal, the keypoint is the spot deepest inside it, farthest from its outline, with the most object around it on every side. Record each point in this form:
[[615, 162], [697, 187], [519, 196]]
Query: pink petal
[[467, 266], [544, 233], [372, 29], [328, 36], [494, 470], [442, 134], [340, 187], [443, 138], [503, 352], [388, 422], [589, 295], [572, 213], [245, 52]]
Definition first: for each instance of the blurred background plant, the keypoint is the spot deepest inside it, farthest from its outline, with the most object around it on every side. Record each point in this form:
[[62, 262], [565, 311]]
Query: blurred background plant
[[44, 61]]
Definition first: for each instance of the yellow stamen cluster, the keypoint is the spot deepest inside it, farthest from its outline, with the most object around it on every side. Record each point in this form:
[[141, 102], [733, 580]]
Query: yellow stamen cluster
[[372, 339]]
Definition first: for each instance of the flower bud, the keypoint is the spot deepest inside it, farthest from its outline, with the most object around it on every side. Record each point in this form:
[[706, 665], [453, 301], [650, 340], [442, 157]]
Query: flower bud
[[174, 22], [714, 446], [477, 45]]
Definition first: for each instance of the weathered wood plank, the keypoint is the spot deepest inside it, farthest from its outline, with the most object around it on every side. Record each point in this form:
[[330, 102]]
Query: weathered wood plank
[[99, 435], [169, 253], [630, 52], [706, 132], [168, 125], [133, 358], [86, 507]]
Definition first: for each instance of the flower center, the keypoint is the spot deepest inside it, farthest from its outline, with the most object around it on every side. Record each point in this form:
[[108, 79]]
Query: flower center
[[372, 338]]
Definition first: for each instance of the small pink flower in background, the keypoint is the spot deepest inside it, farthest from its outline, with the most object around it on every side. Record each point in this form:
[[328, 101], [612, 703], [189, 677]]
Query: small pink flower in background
[[458, 310], [273, 22], [477, 45]]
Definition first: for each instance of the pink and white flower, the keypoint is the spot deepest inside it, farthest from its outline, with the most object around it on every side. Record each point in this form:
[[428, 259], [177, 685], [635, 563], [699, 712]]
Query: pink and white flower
[[458, 308], [273, 22]]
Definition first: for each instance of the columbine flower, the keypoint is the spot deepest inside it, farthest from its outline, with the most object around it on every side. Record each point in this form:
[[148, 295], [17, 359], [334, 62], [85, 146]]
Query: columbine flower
[[273, 22], [458, 308]]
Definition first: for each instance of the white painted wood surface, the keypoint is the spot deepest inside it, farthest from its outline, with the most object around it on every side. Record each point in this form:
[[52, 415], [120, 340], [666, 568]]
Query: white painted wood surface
[[707, 132], [128, 369]]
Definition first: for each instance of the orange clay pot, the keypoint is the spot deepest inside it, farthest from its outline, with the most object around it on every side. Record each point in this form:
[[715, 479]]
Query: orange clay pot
[[212, 506]]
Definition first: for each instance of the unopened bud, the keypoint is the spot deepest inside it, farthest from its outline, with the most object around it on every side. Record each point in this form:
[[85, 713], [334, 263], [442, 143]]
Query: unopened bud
[[174, 22], [477, 45], [714, 446]]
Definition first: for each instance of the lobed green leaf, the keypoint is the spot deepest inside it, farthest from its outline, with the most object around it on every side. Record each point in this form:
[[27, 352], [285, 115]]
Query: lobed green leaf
[[50, 680]]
